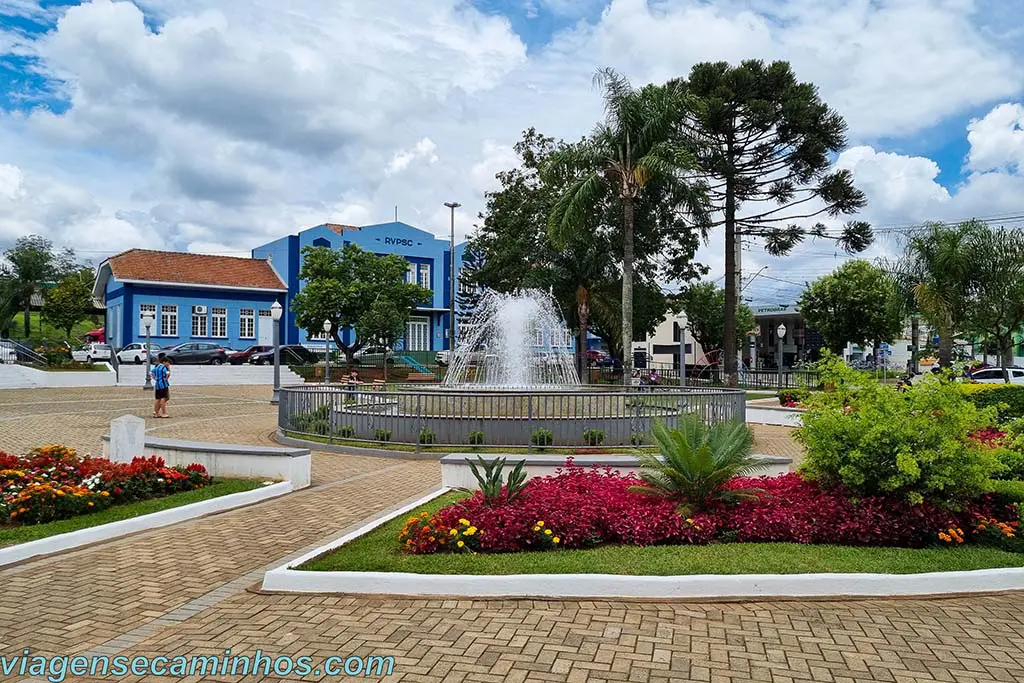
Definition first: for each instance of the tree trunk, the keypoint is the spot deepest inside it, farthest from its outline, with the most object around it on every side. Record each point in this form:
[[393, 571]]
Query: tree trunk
[[729, 368], [945, 348], [627, 290], [1006, 357], [915, 339], [583, 313], [28, 316]]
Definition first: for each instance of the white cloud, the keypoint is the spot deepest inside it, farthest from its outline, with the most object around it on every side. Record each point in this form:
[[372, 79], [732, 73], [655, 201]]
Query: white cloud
[[997, 139], [224, 124]]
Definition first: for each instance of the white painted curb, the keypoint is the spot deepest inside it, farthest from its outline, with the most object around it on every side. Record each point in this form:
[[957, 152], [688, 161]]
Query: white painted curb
[[287, 579], [154, 520]]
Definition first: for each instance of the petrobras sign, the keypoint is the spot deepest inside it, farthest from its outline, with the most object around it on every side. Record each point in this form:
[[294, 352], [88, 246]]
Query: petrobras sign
[[776, 310]]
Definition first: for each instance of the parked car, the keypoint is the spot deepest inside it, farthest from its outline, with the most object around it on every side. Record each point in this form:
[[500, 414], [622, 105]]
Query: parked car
[[91, 353], [441, 357], [996, 376], [372, 353], [595, 356], [196, 353], [239, 357], [295, 354], [136, 353], [97, 336]]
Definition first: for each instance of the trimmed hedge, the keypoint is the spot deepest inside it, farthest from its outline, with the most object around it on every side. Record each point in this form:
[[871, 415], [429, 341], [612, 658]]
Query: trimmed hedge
[[1007, 398]]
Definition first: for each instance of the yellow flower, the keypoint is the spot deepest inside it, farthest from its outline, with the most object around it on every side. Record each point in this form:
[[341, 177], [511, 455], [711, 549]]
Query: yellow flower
[[547, 531], [461, 543], [470, 531], [689, 521], [90, 503], [536, 528], [556, 539], [464, 522], [540, 523], [423, 514], [453, 532]]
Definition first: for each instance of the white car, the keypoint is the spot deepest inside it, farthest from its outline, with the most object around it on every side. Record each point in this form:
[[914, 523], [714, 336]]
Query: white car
[[91, 353], [136, 353], [996, 376]]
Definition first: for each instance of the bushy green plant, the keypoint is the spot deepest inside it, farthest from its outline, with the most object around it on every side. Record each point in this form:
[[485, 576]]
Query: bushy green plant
[[1008, 399], [637, 438], [696, 462], [347, 431], [593, 437], [793, 395], [476, 438], [381, 434], [490, 479], [314, 422], [542, 438], [1011, 463], [874, 439], [427, 436]]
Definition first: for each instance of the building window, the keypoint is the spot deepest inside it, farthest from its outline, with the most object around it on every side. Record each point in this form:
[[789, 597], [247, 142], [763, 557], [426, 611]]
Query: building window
[[168, 321], [425, 276], [247, 323], [143, 310], [199, 321], [219, 322], [410, 274], [561, 338], [538, 338], [465, 288]]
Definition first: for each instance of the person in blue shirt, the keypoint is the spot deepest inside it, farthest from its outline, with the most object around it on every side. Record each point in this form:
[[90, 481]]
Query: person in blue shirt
[[162, 383]]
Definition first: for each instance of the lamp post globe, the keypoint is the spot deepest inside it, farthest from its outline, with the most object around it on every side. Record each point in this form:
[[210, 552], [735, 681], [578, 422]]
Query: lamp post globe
[[780, 332], [147, 323], [327, 352], [275, 314]]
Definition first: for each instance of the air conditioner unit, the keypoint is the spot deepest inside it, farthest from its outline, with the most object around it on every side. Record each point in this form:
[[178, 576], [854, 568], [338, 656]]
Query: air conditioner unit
[[199, 310]]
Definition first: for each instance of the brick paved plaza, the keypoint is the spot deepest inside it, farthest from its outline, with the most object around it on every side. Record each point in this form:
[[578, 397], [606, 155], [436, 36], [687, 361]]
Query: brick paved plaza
[[190, 588]]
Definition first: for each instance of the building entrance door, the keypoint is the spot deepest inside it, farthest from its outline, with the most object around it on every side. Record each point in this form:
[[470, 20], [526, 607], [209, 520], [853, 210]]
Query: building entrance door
[[265, 330], [417, 334]]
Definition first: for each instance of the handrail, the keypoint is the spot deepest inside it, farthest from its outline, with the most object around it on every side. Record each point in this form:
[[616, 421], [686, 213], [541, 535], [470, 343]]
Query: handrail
[[23, 354]]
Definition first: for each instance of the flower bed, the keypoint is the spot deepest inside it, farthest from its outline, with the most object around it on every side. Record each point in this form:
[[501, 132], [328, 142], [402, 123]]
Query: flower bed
[[585, 508], [53, 483]]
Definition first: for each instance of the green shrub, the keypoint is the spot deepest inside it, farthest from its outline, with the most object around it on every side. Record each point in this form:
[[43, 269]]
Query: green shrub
[[637, 438], [1011, 462], [542, 438], [793, 396], [874, 439], [476, 438], [1008, 399], [593, 437], [489, 480], [1010, 492], [347, 432], [427, 436], [381, 434], [314, 422], [697, 461]]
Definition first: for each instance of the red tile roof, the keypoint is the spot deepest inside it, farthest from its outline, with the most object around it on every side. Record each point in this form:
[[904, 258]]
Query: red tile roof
[[340, 228], [194, 269]]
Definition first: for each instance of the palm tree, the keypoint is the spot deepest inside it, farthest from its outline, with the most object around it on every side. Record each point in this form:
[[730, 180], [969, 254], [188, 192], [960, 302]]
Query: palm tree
[[936, 271], [628, 150], [696, 462]]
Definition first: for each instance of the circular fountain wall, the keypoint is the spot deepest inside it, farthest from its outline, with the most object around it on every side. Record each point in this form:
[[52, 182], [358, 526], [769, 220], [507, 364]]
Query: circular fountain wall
[[512, 382]]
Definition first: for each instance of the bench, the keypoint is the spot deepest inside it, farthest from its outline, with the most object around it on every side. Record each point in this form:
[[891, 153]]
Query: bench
[[379, 385], [422, 377]]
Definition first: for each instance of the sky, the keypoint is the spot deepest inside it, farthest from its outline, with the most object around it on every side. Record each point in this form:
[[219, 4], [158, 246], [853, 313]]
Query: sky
[[217, 125]]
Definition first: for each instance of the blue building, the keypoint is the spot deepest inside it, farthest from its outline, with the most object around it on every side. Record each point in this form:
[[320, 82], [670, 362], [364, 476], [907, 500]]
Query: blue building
[[429, 265], [192, 297]]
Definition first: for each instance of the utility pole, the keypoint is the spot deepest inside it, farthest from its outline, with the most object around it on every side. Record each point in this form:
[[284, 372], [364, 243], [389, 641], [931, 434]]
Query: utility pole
[[451, 284]]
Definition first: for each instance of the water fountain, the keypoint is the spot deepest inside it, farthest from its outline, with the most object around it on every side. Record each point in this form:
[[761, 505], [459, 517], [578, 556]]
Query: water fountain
[[516, 341]]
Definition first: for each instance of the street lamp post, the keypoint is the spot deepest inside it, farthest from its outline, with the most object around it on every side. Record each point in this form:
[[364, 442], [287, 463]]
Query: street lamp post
[[147, 322], [275, 314], [451, 285], [327, 352], [780, 333]]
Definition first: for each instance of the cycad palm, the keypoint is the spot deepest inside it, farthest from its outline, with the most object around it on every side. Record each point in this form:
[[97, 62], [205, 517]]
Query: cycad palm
[[697, 461], [630, 149]]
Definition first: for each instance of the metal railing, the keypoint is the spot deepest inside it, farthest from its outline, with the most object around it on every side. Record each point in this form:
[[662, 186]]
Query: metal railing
[[12, 351], [711, 377], [463, 418]]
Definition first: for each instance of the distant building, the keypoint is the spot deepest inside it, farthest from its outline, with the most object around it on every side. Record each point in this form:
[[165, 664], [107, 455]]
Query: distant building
[[192, 297]]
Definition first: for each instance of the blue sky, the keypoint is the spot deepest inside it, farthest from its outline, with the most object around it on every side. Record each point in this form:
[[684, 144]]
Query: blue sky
[[215, 125]]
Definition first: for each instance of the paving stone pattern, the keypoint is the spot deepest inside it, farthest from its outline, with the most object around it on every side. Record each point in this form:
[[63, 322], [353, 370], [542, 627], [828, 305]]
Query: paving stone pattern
[[183, 591]]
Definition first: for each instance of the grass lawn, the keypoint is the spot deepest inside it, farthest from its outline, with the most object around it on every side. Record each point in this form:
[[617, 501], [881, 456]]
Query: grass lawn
[[49, 331], [11, 535], [755, 396], [379, 551]]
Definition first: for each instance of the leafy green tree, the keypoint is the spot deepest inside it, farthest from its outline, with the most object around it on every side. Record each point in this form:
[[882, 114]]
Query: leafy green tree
[[997, 302], [858, 302], [704, 306], [384, 323], [763, 139], [630, 149], [31, 263], [9, 302], [343, 285], [938, 272], [467, 298], [70, 301]]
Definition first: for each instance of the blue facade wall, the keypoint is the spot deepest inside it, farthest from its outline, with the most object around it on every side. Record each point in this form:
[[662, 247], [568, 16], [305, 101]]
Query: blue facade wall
[[184, 298], [284, 258]]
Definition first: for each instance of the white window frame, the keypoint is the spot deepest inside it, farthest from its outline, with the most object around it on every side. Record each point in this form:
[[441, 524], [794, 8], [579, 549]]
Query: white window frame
[[410, 273], [424, 282], [464, 287], [168, 320], [144, 308], [247, 315], [538, 338], [219, 322], [204, 324]]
